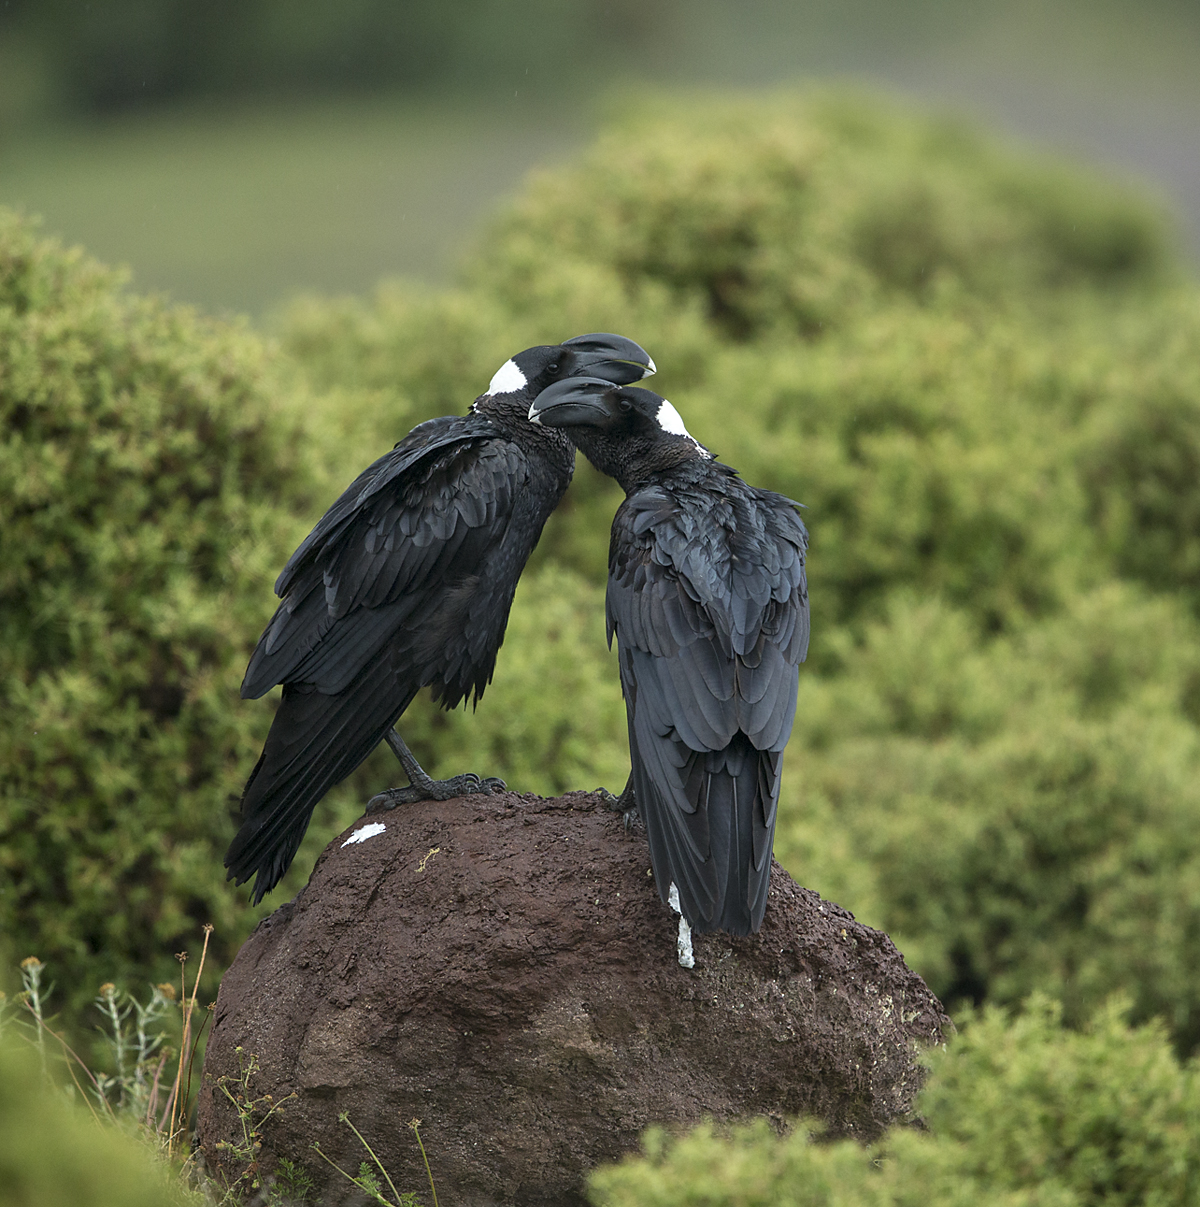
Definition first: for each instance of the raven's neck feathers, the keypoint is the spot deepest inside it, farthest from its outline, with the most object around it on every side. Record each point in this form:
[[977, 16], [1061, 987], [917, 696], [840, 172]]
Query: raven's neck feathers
[[510, 414], [640, 461]]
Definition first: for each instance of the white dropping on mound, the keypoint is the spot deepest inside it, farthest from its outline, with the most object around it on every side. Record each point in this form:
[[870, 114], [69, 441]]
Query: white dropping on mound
[[507, 380], [683, 945], [670, 420], [365, 832]]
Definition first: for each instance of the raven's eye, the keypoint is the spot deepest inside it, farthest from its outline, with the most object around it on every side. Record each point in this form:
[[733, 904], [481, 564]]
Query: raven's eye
[[624, 403], [554, 367]]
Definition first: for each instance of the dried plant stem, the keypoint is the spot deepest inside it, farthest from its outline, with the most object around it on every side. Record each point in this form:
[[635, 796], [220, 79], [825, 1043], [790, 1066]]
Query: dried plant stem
[[152, 1097], [178, 1101]]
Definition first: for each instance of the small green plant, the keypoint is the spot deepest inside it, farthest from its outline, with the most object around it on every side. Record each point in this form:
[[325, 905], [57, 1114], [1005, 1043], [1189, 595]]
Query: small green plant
[[132, 1091], [367, 1179], [253, 1112], [293, 1185]]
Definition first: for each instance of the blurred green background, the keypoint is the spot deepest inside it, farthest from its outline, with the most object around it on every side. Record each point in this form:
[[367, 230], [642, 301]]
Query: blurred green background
[[235, 153], [972, 358]]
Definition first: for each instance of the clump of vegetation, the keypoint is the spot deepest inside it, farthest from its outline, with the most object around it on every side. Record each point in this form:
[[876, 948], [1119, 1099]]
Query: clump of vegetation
[[148, 479], [140, 1104]]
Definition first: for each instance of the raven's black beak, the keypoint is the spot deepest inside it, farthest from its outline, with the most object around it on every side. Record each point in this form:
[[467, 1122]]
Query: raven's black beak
[[613, 357], [577, 402]]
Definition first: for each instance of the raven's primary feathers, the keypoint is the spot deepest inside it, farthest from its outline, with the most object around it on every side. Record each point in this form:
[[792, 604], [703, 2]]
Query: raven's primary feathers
[[708, 600], [406, 582]]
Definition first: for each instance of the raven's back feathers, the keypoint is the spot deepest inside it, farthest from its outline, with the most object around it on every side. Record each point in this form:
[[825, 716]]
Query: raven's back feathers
[[708, 600], [406, 582]]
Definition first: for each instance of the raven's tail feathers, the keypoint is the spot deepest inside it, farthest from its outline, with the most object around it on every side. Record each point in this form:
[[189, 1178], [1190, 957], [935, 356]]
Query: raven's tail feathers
[[718, 851], [740, 834], [316, 740]]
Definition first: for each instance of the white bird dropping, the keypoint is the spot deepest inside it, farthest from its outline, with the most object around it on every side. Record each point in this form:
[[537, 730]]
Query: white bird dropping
[[365, 832], [683, 944]]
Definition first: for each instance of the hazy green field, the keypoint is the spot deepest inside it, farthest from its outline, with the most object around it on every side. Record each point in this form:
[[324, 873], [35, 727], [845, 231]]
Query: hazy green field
[[236, 202], [236, 208]]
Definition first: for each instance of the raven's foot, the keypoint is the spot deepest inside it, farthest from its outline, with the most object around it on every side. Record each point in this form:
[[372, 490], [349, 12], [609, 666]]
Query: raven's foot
[[422, 787], [623, 804], [460, 785]]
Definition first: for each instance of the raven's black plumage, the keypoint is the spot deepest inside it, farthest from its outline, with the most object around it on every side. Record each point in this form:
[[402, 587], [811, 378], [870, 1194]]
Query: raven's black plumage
[[708, 600], [406, 582]]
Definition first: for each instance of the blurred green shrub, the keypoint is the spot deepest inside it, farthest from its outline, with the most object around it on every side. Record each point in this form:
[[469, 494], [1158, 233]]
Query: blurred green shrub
[[976, 368], [798, 215], [1019, 1112], [54, 1152], [1019, 815], [148, 480]]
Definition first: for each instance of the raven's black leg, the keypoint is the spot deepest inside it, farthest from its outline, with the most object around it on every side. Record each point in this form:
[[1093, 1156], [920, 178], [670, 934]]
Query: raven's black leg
[[421, 787], [625, 804]]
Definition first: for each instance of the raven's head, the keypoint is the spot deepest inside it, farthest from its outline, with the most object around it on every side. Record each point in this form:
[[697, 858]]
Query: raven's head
[[613, 358], [621, 429]]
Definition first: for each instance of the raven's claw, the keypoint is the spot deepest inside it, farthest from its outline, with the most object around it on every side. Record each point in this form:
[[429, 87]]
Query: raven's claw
[[468, 784], [623, 804]]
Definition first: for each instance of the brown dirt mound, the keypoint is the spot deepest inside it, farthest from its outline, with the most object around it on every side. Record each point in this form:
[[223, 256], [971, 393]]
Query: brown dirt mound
[[502, 969]]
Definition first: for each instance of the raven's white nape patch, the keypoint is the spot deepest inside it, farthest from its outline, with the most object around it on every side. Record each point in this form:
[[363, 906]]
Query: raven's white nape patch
[[508, 379], [683, 944], [365, 832], [670, 420]]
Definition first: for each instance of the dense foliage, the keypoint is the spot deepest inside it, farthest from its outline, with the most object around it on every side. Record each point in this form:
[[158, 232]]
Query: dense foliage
[[146, 471]]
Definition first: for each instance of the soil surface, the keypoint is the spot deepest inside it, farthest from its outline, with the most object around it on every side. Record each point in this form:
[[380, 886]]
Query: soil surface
[[502, 969]]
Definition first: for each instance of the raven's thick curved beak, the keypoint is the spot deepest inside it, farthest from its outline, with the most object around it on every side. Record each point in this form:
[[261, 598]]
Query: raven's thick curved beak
[[576, 402], [612, 357]]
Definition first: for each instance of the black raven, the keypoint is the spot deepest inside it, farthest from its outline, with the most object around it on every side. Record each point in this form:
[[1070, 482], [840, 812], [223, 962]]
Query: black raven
[[708, 600], [406, 582]]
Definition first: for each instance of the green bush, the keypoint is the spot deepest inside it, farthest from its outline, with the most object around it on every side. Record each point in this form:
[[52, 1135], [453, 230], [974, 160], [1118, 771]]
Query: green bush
[[800, 215], [977, 370], [148, 481], [1019, 1112], [53, 1152], [1018, 816]]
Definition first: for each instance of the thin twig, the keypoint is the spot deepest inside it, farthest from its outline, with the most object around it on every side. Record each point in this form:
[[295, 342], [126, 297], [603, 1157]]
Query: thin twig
[[181, 956], [152, 1098], [187, 1096]]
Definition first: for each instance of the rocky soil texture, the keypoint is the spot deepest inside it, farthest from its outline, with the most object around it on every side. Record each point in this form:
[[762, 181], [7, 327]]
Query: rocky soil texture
[[502, 969]]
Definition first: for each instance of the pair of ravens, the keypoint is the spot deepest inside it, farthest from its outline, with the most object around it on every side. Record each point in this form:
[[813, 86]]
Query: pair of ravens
[[407, 581]]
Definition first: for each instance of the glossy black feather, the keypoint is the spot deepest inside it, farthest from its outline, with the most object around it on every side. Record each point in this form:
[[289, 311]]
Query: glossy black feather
[[708, 601], [405, 583]]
